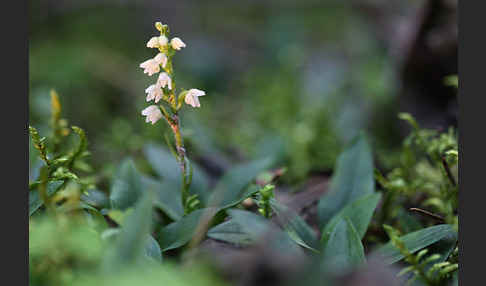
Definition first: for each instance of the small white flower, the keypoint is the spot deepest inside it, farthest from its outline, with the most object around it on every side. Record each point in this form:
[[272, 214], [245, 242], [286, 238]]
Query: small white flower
[[161, 59], [153, 114], [163, 40], [192, 97], [177, 43], [154, 92], [153, 42], [164, 80], [150, 67]]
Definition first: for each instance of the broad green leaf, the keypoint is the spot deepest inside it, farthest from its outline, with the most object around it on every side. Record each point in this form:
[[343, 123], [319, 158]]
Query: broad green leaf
[[167, 196], [166, 274], [358, 212], [126, 186], [167, 167], [163, 162], [94, 218], [417, 240], [130, 243], [35, 202], [96, 198], [231, 188], [271, 145], [151, 248], [181, 232], [353, 178], [232, 232], [298, 230], [245, 228], [248, 192], [341, 246]]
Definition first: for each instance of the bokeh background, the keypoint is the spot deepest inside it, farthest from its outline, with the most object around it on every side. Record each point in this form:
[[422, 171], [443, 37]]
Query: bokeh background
[[294, 78]]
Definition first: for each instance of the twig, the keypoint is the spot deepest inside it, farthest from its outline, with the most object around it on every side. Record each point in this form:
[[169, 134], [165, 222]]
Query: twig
[[448, 171], [438, 217]]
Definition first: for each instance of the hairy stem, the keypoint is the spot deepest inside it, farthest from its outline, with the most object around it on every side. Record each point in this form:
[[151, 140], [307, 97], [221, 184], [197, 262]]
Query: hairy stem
[[181, 156]]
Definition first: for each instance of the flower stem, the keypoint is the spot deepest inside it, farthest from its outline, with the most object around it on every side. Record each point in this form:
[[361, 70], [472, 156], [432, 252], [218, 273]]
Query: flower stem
[[181, 157]]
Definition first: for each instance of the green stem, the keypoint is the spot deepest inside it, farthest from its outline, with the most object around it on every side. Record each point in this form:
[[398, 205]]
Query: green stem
[[181, 152]]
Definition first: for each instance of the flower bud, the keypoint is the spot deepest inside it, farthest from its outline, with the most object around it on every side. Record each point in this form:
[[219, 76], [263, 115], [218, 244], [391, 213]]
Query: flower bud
[[158, 26]]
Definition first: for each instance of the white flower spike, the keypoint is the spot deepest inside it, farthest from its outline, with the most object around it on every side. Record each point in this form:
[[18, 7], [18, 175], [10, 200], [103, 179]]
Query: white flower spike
[[153, 42], [154, 92], [177, 43], [164, 80], [192, 97], [153, 114]]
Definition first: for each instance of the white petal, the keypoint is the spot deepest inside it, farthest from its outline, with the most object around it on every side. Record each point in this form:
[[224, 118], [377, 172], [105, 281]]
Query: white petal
[[153, 43], [165, 80], [159, 58], [162, 40], [177, 43], [192, 100], [153, 113]]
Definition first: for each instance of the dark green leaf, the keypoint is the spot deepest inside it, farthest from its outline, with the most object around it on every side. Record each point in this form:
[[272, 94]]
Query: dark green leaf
[[35, 202], [126, 187], [245, 228], [341, 246], [231, 189], [181, 232], [232, 232], [131, 242], [96, 198], [152, 249], [359, 212], [417, 240], [353, 178], [167, 167], [298, 230], [167, 196]]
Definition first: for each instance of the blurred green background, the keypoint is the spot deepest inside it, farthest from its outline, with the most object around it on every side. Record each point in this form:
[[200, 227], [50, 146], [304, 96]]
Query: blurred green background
[[293, 78]]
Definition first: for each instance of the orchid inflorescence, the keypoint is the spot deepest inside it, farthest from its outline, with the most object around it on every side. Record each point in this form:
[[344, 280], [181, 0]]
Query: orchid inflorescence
[[164, 90]]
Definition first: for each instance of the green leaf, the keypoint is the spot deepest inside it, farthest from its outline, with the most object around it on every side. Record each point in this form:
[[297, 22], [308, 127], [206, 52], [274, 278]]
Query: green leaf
[[341, 246], [181, 232], [167, 196], [245, 228], [358, 212], [298, 230], [231, 189], [152, 249], [126, 187], [167, 167], [163, 163], [232, 232], [96, 198], [130, 244], [352, 179], [416, 240], [35, 202]]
